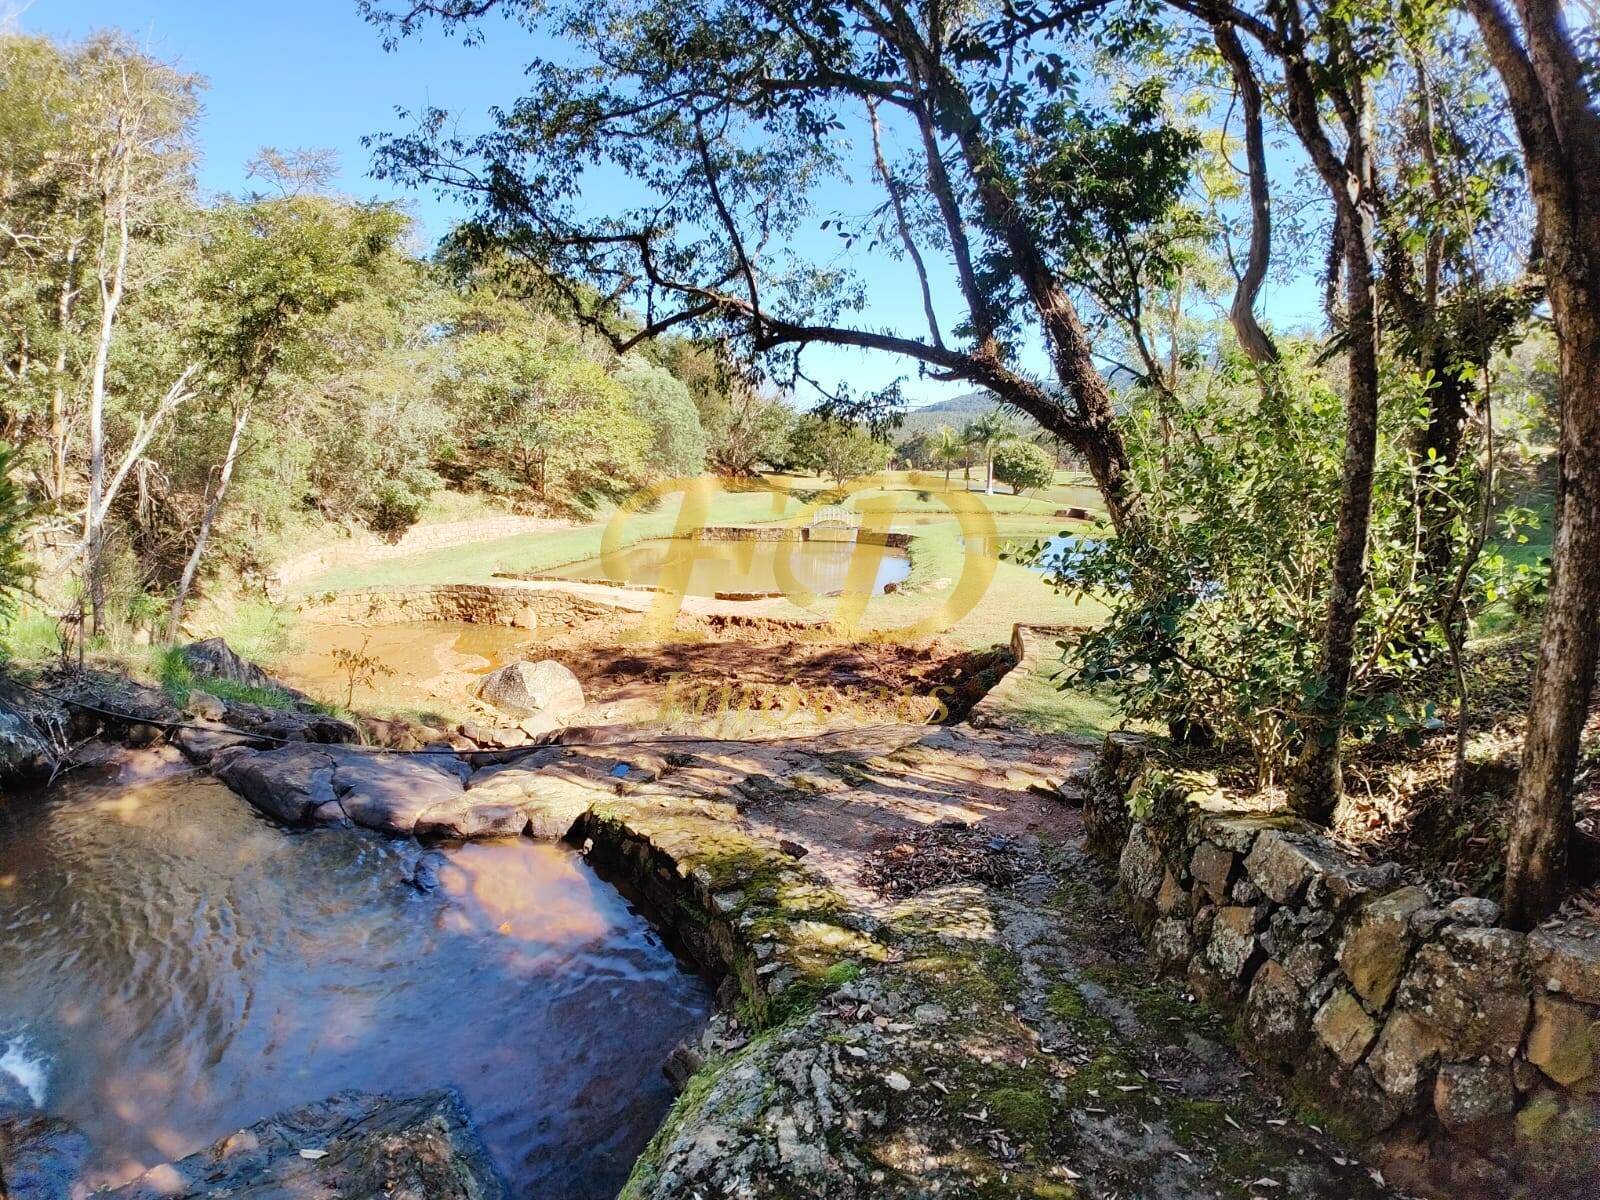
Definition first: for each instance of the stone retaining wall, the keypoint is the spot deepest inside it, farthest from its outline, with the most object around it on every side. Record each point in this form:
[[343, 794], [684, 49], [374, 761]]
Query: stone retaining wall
[[1383, 1002], [478, 604]]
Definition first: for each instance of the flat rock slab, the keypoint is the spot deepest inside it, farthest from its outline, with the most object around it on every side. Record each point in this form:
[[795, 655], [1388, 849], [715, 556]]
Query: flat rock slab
[[324, 785], [350, 1146]]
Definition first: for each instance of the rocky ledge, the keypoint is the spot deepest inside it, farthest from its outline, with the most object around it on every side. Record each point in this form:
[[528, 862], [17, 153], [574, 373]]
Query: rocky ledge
[[925, 991], [926, 985], [353, 1144]]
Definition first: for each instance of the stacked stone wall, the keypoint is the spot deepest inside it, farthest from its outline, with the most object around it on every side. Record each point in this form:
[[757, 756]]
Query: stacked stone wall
[[1381, 1000]]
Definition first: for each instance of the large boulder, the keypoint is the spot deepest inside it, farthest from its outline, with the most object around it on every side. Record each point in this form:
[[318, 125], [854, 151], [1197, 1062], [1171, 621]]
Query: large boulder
[[24, 749], [213, 658], [529, 689], [352, 1144]]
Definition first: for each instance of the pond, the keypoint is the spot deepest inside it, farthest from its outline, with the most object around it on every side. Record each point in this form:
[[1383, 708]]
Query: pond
[[428, 663], [1063, 549], [174, 967], [822, 567]]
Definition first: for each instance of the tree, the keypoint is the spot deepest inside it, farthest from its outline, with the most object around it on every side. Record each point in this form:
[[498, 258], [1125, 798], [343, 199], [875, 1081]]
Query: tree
[[724, 117], [1551, 89], [950, 449], [916, 450], [986, 434], [272, 269], [538, 414], [15, 513], [1023, 466], [839, 450], [107, 152], [745, 429], [679, 446]]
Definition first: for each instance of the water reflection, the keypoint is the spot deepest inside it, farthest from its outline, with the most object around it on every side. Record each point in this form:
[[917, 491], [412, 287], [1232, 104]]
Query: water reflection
[[181, 968], [821, 566]]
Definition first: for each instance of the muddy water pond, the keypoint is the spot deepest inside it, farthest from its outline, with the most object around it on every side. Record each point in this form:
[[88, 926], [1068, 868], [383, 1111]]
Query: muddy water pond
[[818, 566], [429, 663], [173, 967]]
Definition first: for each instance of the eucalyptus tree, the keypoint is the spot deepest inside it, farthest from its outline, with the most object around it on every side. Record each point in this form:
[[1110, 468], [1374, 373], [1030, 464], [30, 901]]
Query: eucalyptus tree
[[996, 156]]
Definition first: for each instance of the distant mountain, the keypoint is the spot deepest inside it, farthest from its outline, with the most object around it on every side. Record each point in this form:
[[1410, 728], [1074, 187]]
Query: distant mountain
[[954, 412], [968, 402]]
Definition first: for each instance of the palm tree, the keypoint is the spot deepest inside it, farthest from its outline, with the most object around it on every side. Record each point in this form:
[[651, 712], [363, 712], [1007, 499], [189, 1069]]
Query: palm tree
[[987, 433], [948, 448]]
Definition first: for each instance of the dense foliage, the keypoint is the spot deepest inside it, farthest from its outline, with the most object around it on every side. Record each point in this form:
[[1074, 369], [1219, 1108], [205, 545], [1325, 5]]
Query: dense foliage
[[243, 370]]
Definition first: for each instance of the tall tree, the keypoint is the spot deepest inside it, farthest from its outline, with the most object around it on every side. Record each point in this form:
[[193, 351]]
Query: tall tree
[[134, 125], [725, 116], [1327, 63], [1552, 94], [273, 268]]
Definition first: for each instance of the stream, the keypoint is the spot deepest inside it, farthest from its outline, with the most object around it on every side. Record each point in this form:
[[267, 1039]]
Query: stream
[[173, 967]]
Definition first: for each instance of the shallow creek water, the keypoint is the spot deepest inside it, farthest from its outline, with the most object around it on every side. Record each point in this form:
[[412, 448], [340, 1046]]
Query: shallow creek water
[[173, 966]]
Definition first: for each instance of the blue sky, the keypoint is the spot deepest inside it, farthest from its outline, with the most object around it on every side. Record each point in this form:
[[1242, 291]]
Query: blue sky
[[312, 74]]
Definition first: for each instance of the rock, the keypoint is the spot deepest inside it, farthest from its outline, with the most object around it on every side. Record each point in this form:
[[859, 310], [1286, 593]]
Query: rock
[[1297, 938], [1564, 963], [1344, 1027], [1373, 953], [683, 1062], [1467, 984], [424, 874], [389, 792], [352, 1144], [529, 689], [287, 783], [314, 727], [1405, 1053], [214, 659], [1171, 945], [463, 821], [1465, 1093], [1171, 895], [1229, 956], [203, 745], [206, 706], [1473, 910], [24, 748], [1284, 864], [1212, 868], [1274, 1014], [1564, 1040], [40, 1157], [1140, 869], [539, 728]]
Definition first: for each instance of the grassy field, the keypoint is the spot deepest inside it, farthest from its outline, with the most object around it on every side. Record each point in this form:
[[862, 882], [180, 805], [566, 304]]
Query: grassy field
[[937, 552]]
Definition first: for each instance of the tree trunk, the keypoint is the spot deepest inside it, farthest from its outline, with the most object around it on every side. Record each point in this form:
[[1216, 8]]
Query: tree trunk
[[1563, 679], [1559, 128], [988, 487], [192, 567], [1316, 781], [58, 398], [112, 276]]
